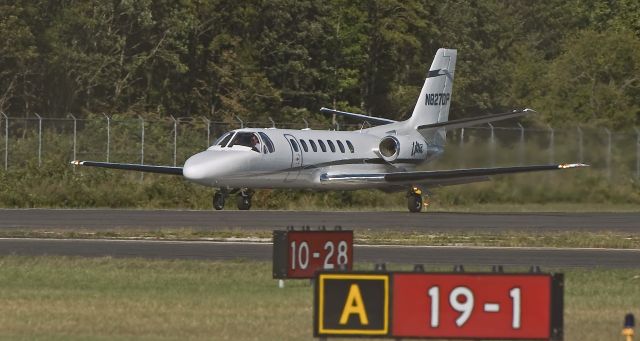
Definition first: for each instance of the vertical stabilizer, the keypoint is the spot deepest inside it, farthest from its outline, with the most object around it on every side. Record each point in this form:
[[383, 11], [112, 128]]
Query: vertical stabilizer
[[435, 97]]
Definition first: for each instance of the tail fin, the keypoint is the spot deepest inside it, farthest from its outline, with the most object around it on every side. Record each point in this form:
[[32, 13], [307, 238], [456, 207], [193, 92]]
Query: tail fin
[[435, 97]]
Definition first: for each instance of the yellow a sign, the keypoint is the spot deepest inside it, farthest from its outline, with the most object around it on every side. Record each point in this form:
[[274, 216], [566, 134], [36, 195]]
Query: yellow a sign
[[354, 305], [351, 304]]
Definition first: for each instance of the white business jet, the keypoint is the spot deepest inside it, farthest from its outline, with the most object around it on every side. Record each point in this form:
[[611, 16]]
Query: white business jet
[[381, 157]]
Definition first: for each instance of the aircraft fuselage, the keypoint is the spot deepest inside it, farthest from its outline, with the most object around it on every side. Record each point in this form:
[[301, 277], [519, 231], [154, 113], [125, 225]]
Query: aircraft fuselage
[[288, 158]]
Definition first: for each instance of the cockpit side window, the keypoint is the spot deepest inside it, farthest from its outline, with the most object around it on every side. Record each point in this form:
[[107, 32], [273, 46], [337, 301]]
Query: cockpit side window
[[223, 140], [267, 142]]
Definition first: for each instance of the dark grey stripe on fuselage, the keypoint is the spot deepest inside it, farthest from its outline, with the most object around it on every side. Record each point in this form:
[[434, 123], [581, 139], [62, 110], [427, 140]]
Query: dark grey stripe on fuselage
[[359, 161], [434, 73]]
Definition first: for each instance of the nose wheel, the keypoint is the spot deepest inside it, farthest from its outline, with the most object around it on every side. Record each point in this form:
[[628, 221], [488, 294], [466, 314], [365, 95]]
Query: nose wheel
[[244, 199], [414, 200], [218, 200]]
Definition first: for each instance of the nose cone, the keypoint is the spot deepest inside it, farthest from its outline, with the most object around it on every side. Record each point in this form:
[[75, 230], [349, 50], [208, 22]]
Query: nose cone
[[208, 167]]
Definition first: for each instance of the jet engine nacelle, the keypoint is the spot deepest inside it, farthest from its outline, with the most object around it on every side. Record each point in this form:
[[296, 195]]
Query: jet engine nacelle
[[392, 148]]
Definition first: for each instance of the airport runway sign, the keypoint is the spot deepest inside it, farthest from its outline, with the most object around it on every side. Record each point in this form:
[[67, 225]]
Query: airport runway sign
[[299, 254], [352, 304], [519, 306]]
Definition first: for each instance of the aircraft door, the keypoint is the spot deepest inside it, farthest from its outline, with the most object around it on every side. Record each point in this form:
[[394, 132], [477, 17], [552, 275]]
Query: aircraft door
[[296, 158]]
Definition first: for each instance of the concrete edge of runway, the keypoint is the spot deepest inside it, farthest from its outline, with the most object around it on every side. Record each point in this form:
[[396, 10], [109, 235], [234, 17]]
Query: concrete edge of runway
[[235, 242]]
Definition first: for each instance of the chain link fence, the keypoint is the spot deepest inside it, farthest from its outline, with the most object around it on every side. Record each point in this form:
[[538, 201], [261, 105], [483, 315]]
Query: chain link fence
[[171, 141]]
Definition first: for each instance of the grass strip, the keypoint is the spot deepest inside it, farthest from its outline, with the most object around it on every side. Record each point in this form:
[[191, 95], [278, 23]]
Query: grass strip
[[72, 298]]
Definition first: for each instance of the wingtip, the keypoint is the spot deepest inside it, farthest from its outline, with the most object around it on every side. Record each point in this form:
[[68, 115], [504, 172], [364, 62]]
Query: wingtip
[[572, 165], [76, 162], [529, 110]]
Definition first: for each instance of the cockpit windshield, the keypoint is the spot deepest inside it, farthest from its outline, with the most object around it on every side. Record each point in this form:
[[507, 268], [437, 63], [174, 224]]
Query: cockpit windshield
[[224, 139], [250, 140]]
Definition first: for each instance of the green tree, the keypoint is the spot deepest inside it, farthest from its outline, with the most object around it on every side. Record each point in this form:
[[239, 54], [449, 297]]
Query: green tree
[[596, 80], [18, 56]]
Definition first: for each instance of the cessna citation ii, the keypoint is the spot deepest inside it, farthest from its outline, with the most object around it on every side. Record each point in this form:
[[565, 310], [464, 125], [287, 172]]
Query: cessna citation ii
[[383, 156]]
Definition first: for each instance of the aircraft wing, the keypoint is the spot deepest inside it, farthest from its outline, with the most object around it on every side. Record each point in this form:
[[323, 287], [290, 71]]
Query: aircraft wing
[[132, 167], [370, 119], [472, 121], [441, 178]]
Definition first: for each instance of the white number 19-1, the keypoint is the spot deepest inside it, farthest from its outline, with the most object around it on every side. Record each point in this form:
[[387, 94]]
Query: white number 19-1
[[466, 307]]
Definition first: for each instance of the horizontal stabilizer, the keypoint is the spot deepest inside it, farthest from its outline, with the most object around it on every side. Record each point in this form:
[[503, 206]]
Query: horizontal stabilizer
[[131, 167], [472, 121], [370, 119]]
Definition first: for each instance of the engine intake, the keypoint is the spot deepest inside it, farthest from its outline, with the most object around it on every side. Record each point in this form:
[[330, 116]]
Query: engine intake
[[389, 148]]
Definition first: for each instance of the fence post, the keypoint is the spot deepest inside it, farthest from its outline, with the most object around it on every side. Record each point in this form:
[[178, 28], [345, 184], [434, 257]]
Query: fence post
[[608, 152], [580, 151], [6, 140], [141, 145], [75, 136], [552, 147], [273, 124], [521, 151], [175, 139], [208, 122], [462, 137], [39, 139], [637, 153], [241, 122], [141, 139], [108, 135], [492, 145]]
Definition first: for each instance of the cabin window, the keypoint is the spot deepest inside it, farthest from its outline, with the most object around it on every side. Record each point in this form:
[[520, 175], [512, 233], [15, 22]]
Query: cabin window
[[332, 146], [268, 143], [313, 145], [322, 146], [223, 140], [341, 146], [304, 145], [350, 146], [294, 145]]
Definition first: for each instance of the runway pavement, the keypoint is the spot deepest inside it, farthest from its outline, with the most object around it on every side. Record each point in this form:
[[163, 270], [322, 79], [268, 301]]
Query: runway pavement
[[105, 219], [428, 255]]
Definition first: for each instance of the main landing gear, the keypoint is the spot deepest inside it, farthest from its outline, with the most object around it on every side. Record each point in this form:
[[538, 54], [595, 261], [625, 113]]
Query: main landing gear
[[414, 200], [243, 199]]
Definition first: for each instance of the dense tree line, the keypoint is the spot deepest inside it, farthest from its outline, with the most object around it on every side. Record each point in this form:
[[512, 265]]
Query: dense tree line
[[572, 60]]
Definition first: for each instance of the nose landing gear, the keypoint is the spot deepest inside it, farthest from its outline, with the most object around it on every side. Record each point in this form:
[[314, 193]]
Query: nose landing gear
[[243, 199], [414, 200], [218, 200]]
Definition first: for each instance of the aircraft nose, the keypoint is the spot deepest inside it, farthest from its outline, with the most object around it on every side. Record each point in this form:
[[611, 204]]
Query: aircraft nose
[[207, 167], [199, 167]]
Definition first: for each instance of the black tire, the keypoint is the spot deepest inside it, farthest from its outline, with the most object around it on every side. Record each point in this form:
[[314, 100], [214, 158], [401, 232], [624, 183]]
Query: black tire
[[244, 202], [218, 201], [414, 203]]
